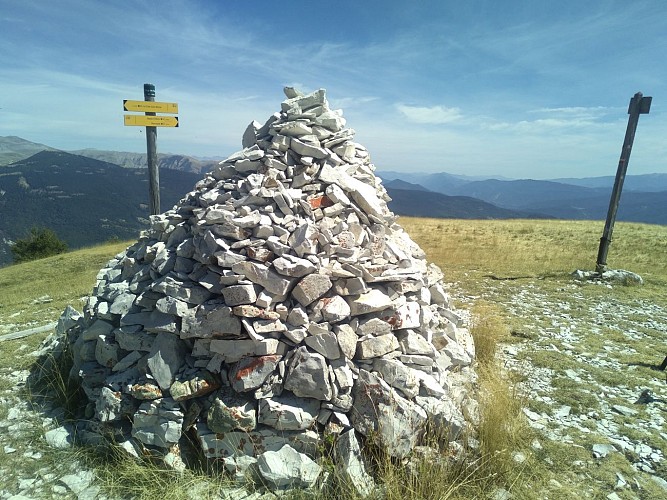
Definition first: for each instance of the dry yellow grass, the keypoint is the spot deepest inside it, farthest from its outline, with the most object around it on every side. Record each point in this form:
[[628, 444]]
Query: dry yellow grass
[[537, 247], [63, 278], [488, 329]]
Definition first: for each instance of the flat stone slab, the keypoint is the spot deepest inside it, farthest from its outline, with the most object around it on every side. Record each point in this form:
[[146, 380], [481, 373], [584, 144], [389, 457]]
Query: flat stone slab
[[263, 276], [372, 301], [288, 412]]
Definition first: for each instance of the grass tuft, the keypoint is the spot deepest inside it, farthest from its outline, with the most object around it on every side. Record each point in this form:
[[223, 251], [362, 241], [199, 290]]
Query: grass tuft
[[488, 329]]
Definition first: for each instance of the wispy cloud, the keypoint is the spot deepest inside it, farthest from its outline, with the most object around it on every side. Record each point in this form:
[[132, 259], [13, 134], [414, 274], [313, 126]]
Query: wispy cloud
[[564, 119], [435, 115]]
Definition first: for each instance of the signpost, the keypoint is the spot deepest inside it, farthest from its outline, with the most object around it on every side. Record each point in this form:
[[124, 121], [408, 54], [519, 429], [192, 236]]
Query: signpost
[[151, 122], [639, 105]]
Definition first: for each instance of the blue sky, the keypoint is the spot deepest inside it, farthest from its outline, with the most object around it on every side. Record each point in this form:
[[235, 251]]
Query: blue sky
[[522, 89]]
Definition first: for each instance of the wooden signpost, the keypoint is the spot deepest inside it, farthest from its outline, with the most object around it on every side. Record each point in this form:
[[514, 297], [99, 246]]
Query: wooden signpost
[[639, 105], [151, 121]]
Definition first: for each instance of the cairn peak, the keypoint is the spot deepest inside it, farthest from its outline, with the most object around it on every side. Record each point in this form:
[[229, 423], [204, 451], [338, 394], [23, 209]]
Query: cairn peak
[[276, 302]]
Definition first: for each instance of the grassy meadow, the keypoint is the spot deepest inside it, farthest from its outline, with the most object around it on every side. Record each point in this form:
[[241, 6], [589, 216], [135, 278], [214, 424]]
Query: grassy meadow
[[473, 249], [485, 261]]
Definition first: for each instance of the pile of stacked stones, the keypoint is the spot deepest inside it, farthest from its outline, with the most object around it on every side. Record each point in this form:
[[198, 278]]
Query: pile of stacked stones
[[277, 302]]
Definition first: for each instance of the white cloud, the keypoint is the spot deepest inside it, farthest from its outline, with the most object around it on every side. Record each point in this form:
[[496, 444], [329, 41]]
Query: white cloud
[[350, 102], [563, 118], [436, 115], [574, 110]]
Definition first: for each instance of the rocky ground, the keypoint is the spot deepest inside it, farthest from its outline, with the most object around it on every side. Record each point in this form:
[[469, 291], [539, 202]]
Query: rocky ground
[[585, 354]]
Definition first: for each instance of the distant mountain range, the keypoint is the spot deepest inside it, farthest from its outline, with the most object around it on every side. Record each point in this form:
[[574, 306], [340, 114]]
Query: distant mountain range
[[88, 200], [138, 160], [644, 197], [13, 149], [85, 201], [424, 203]]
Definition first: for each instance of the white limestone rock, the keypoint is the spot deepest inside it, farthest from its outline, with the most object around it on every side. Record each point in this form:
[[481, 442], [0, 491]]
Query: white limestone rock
[[290, 265], [97, 328], [298, 316], [372, 301], [347, 340], [288, 412], [379, 409], [445, 414], [263, 276], [173, 306], [397, 375], [374, 347], [231, 412], [287, 468], [250, 372], [60, 437], [323, 342], [350, 464], [304, 239], [414, 343], [311, 287], [308, 376], [334, 309], [214, 318], [158, 423], [364, 195], [305, 149], [193, 384], [233, 350], [250, 134], [374, 326], [239, 294]]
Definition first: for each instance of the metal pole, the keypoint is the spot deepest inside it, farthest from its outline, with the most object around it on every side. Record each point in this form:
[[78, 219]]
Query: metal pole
[[151, 157], [638, 105]]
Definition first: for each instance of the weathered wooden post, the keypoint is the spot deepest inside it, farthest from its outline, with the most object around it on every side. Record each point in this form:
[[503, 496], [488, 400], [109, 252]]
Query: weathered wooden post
[[638, 105], [151, 121], [151, 157]]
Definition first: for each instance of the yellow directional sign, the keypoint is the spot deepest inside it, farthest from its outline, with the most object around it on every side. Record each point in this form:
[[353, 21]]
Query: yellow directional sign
[[150, 106], [151, 121]]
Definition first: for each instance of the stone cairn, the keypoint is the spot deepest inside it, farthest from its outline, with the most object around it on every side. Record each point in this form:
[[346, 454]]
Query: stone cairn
[[276, 303]]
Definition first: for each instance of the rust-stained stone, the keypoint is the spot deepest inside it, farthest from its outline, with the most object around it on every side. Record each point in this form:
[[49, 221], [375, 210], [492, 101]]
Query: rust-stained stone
[[145, 391], [248, 311], [322, 201], [251, 372], [201, 383]]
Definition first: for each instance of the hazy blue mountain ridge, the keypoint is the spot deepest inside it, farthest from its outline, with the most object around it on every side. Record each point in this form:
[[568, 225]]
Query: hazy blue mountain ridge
[[14, 148], [85, 201], [88, 200]]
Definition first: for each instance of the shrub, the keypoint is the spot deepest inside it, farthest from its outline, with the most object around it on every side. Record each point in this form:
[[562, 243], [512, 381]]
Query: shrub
[[41, 242]]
